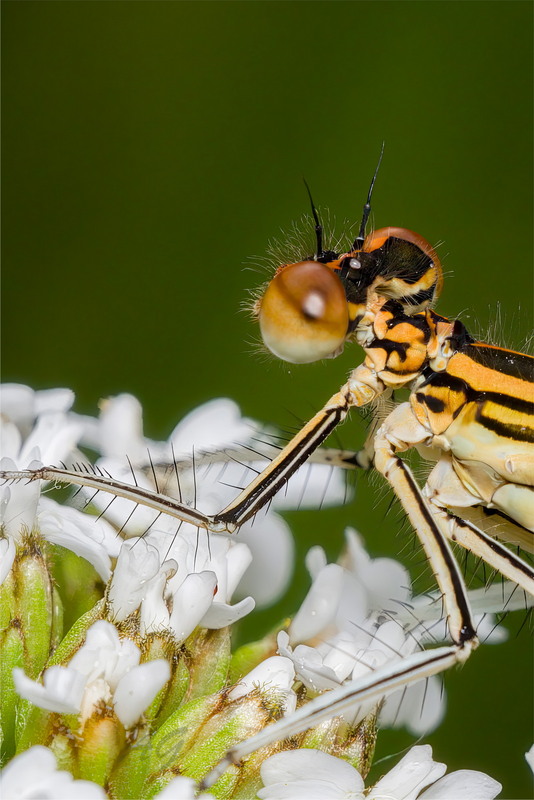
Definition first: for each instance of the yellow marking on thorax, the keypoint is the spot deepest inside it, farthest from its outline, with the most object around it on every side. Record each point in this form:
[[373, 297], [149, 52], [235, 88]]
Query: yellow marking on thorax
[[485, 379]]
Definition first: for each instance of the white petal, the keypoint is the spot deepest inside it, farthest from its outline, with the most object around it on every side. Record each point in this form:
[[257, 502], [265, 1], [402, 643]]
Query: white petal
[[92, 539], [96, 693], [315, 561], [181, 788], [33, 774], [55, 435], [49, 401], [220, 615], [7, 556], [340, 653], [18, 405], [308, 663], [10, 439], [105, 655], [386, 581], [275, 673], [465, 784], [297, 765], [137, 564], [305, 789], [420, 707], [191, 602], [136, 690], [61, 691], [155, 615], [320, 605], [238, 560], [530, 758], [19, 503], [406, 780], [121, 428], [273, 553], [211, 426]]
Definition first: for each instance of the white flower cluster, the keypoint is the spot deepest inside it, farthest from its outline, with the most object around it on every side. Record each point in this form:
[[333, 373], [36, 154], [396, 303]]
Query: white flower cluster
[[310, 774], [173, 579], [360, 615], [105, 669]]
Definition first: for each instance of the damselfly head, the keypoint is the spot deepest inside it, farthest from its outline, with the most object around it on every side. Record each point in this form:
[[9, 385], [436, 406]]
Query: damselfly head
[[312, 307]]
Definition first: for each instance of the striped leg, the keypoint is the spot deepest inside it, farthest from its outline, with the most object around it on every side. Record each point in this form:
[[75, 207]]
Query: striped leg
[[360, 390], [444, 490], [400, 431]]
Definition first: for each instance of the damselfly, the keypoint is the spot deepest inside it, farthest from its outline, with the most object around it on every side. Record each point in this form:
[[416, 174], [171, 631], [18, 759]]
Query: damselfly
[[469, 410]]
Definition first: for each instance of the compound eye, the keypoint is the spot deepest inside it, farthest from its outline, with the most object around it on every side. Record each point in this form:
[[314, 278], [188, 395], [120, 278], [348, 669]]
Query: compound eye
[[303, 314]]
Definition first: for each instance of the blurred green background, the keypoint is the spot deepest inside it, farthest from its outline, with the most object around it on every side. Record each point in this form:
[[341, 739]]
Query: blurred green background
[[150, 149]]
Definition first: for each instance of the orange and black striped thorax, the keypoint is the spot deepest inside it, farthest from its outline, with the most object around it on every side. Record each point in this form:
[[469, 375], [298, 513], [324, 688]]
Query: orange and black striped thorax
[[496, 383]]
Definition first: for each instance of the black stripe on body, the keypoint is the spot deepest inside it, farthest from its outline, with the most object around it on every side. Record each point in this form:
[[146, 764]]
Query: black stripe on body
[[390, 346], [454, 384], [434, 404], [510, 430], [417, 321], [517, 365]]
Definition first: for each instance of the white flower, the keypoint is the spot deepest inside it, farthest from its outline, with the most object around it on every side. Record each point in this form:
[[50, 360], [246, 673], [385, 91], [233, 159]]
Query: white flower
[[106, 668], [34, 429], [274, 675], [314, 775], [192, 587], [530, 758], [22, 405], [359, 615], [214, 426], [34, 774], [36, 425]]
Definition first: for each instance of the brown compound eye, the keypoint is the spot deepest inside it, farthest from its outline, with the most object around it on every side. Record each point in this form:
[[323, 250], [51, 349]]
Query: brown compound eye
[[303, 314]]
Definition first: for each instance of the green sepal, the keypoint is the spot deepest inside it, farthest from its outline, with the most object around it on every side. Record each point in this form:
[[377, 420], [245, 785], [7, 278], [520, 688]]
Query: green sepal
[[57, 620], [11, 655], [234, 723], [224, 789], [359, 750], [80, 585], [249, 773], [177, 735], [7, 601], [34, 725], [34, 609], [129, 773], [209, 661], [63, 747], [176, 691], [102, 741], [251, 654], [163, 645], [76, 636], [353, 744]]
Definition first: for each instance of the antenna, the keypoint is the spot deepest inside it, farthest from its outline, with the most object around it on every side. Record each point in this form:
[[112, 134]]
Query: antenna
[[318, 226], [359, 240]]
